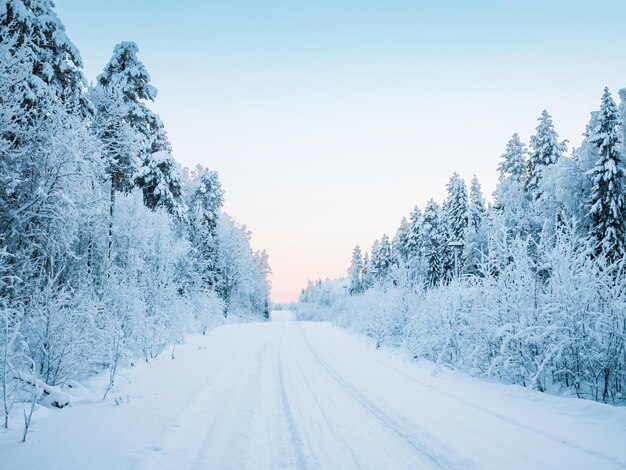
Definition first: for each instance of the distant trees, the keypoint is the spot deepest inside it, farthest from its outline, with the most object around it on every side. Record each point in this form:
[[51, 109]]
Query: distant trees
[[539, 299], [355, 273]]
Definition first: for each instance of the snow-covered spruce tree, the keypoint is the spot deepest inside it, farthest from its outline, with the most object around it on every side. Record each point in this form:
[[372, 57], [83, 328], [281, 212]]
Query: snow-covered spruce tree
[[367, 274], [514, 163], [432, 244], [607, 213], [121, 91], [126, 79], [371, 265], [546, 150], [120, 122], [454, 222], [414, 247], [382, 260], [205, 203], [476, 235], [457, 207], [355, 272], [159, 178], [477, 209], [35, 39], [566, 188], [400, 242], [513, 204]]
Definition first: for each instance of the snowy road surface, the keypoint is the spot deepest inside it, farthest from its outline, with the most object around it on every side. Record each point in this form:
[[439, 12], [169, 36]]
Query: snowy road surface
[[308, 395]]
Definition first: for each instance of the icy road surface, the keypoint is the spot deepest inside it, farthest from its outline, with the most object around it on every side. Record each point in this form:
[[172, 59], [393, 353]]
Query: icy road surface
[[307, 395]]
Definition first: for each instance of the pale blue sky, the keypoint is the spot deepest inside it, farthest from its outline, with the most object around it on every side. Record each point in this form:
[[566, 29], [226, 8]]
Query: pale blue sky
[[329, 120]]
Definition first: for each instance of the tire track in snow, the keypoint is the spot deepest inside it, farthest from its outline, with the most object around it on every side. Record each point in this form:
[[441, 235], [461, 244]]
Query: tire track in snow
[[329, 422], [182, 433], [392, 423], [296, 440], [505, 419], [233, 411]]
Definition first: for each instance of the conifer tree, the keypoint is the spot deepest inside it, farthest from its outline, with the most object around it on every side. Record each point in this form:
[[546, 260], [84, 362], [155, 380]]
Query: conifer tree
[[382, 259], [432, 244], [457, 207], [355, 272], [514, 162], [546, 150], [372, 266], [366, 275], [477, 208], [35, 39], [414, 244], [400, 242], [607, 212], [125, 84], [205, 204]]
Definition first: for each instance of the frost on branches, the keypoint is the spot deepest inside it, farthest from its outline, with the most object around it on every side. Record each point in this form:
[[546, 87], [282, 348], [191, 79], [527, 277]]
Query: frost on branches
[[541, 292], [103, 242]]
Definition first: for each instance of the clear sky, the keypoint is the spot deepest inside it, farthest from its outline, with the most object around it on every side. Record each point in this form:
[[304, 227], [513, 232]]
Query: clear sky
[[329, 120]]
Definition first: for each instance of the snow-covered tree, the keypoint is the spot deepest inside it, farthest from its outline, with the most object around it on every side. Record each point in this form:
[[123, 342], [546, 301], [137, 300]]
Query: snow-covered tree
[[367, 274], [400, 242], [477, 209], [608, 212], [126, 79], [476, 234], [514, 162], [432, 244], [120, 95], [242, 282], [355, 272], [34, 38], [160, 181], [382, 259], [414, 245], [546, 150], [457, 207], [205, 203]]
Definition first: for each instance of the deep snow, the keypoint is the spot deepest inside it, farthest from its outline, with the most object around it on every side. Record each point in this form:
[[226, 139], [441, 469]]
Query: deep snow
[[308, 395]]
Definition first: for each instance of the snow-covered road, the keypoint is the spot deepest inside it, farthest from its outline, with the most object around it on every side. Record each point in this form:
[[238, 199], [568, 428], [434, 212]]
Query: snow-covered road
[[308, 395]]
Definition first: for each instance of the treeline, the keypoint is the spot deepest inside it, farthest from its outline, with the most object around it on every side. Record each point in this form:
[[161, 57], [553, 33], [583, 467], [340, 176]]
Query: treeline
[[530, 289], [108, 251]]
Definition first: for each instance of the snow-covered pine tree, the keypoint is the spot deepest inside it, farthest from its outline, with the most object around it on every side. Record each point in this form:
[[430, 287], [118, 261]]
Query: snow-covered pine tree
[[384, 259], [205, 204], [414, 244], [159, 177], [34, 38], [454, 223], [457, 207], [372, 266], [366, 274], [355, 272], [476, 236], [126, 79], [400, 242], [514, 162], [607, 211], [546, 150], [125, 84], [477, 208], [432, 244]]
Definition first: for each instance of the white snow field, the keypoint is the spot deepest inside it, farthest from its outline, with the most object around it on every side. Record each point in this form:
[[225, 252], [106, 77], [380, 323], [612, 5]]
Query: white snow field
[[292, 394]]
